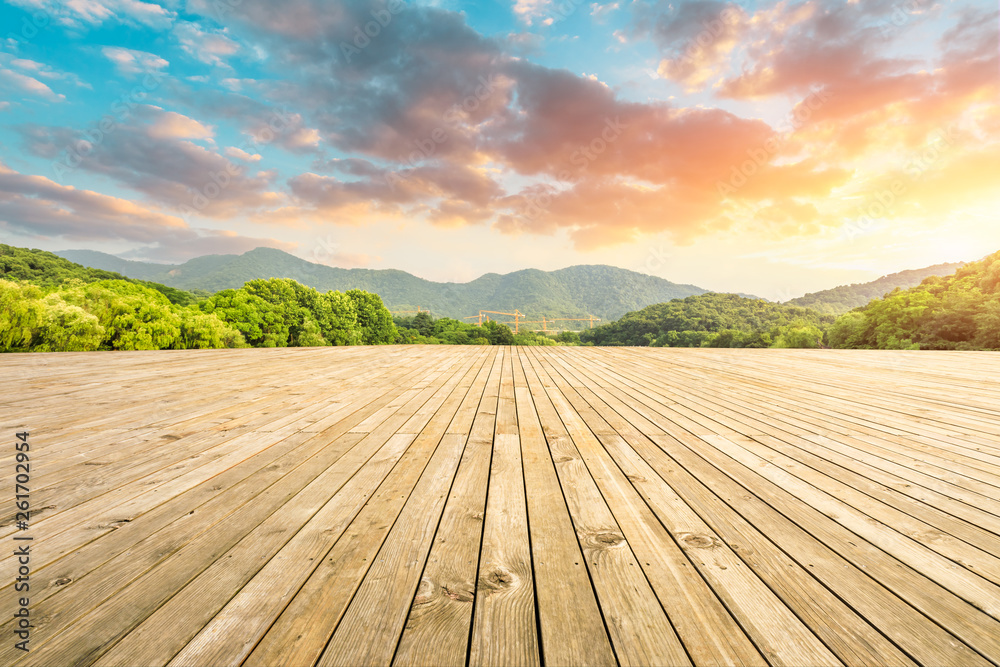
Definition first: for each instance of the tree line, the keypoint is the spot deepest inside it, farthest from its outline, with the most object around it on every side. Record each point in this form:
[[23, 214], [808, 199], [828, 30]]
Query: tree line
[[121, 315], [50, 304], [423, 329]]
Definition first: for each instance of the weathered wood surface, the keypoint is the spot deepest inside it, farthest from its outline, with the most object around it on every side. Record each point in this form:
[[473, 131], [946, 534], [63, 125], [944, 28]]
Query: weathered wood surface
[[507, 506]]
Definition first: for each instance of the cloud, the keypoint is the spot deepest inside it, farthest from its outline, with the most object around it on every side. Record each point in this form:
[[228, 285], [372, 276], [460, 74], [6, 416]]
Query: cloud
[[240, 154], [40, 207], [130, 62], [261, 122], [30, 85], [211, 47], [152, 153], [83, 14], [529, 11], [601, 11], [171, 125]]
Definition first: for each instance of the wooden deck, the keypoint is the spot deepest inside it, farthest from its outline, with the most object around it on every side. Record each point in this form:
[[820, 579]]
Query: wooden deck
[[461, 506]]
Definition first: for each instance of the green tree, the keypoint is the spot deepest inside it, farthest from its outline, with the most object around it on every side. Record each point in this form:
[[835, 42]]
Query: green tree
[[498, 334], [374, 319], [134, 317], [339, 321], [68, 328], [261, 323], [568, 337], [799, 335], [22, 315], [201, 330], [423, 323], [850, 331]]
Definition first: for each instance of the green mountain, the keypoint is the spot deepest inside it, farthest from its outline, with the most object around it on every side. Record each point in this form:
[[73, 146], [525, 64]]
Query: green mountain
[[46, 269], [714, 320], [841, 299], [606, 292], [960, 311]]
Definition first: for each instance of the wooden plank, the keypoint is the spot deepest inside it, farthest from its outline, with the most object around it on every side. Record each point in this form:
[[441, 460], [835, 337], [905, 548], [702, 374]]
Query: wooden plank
[[264, 588], [504, 630], [711, 635], [440, 618], [640, 632], [570, 624]]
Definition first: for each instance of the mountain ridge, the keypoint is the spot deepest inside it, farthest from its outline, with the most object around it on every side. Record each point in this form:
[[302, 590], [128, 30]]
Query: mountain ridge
[[843, 298], [603, 291]]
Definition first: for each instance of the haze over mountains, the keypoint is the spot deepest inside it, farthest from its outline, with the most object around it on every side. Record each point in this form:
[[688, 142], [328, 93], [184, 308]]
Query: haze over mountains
[[841, 299], [603, 291], [606, 292]]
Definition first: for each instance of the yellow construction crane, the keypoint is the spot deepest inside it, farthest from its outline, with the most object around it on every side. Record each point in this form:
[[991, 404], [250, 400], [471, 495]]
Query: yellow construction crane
[[516, 315], [590, 319], [544, 322]]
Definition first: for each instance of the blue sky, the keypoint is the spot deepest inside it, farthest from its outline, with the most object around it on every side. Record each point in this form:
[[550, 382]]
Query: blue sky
[[773, 148]]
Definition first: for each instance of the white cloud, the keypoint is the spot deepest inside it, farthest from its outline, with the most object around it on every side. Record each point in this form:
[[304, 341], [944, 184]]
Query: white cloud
[[82, 14], [210, 47], [171, 125], [30, 85], [129, 61], [529, 10], [240, 154]]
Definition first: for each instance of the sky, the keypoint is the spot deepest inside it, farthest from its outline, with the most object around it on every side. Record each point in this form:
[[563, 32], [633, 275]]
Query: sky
[[771, 148]]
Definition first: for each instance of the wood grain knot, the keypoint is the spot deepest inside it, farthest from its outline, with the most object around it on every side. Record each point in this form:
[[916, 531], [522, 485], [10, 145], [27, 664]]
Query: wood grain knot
[[603, 540], [497, 579], [458, 593], [61, 581], [693, 541], [425, 592]]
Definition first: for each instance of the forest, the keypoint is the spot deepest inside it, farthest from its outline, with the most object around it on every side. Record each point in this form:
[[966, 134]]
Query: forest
[[424, 329], [714, 320], [956, 312], [48, 303]]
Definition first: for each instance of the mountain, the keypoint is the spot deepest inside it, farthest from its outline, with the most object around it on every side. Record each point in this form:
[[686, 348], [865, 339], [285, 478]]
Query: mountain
[[714, 320], [841, 299], [46, 269], [960, 311], [606, 292]]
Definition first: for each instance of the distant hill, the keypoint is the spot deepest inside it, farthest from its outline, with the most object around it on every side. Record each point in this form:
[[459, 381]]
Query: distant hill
[[714, 320], [841, 299], [606, 292], [46, 269], [960, 311]]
